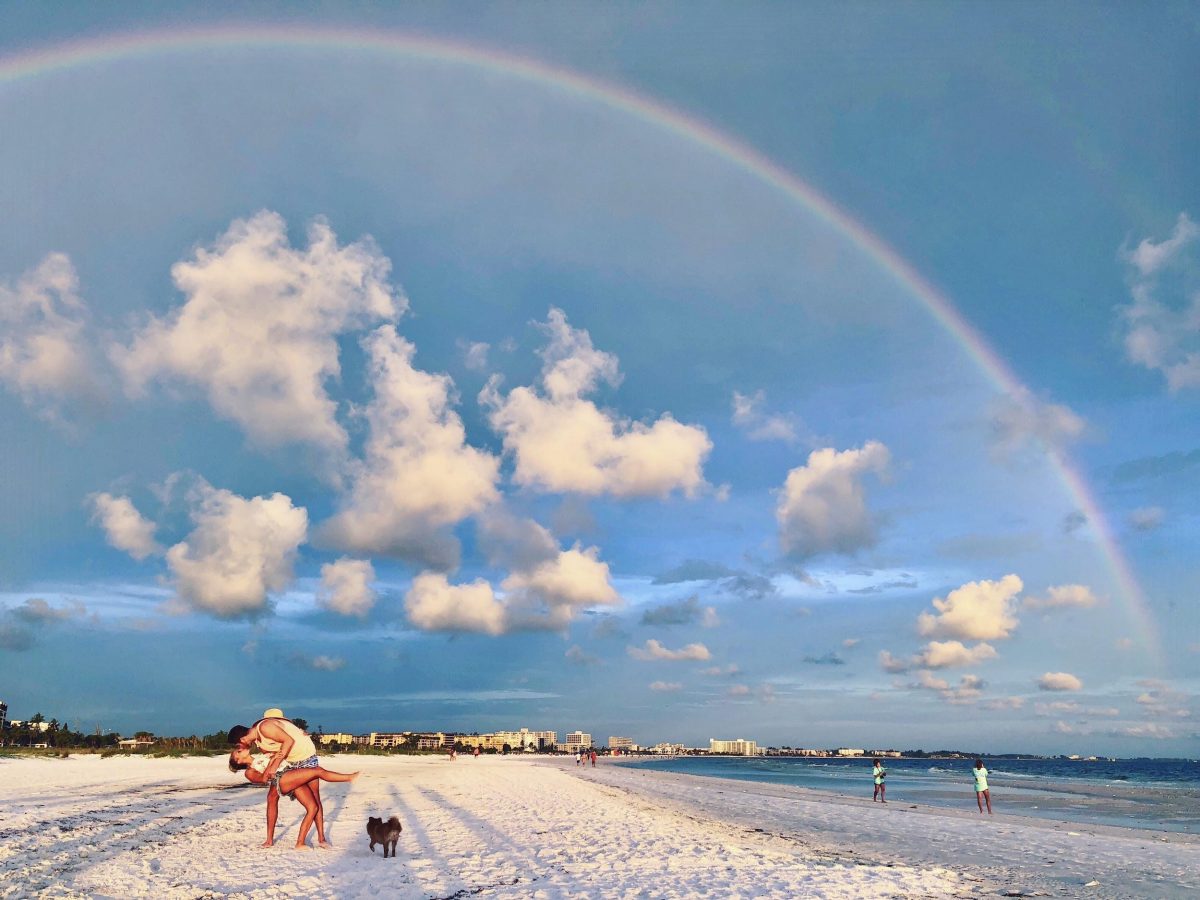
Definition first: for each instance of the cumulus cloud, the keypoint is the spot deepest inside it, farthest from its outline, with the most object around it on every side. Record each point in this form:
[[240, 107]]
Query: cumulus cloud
[[665, 686], [748, 415], [952, 654], [1059, 681], [258, 329], [346, 587], [1065, 595], [968, 690], [1147, 518], [418, 476], [240, 551], [549, 595], [1020, 421], [433, 604], [1162, 321], [513, 542], [893, 664], [654, 650], [979, 610], [822, 507], [124, 527], [562, 442], [45, 356]]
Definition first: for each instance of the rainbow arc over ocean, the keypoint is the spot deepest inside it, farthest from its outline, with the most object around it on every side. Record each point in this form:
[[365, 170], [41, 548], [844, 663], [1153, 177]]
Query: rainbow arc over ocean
[[128, 46]]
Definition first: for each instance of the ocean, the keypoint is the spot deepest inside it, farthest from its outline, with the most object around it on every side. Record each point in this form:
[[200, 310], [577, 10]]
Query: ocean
[[1160, 794]]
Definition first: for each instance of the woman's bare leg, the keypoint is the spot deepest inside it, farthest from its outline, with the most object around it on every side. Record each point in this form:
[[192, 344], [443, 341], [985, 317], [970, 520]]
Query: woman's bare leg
[[293, 778], [305, 796]]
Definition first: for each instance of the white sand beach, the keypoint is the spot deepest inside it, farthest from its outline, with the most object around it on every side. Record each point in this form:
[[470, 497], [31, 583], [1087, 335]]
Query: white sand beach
[[514, 827]]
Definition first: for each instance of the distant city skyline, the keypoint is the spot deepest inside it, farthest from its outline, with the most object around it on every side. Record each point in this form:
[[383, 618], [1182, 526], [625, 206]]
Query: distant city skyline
[[824, 374]]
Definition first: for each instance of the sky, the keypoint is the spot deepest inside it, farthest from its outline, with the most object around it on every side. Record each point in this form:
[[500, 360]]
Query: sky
[[823, 375]]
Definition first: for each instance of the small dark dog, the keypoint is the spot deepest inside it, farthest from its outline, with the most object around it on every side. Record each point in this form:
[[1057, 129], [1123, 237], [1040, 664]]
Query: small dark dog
[[384, 833]]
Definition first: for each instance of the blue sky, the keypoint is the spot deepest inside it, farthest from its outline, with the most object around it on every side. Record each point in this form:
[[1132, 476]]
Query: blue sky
[[406, 393]]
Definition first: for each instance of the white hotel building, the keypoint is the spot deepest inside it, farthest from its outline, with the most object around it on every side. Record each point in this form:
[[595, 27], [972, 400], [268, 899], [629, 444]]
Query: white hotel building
[[740, 747], [578, 740]]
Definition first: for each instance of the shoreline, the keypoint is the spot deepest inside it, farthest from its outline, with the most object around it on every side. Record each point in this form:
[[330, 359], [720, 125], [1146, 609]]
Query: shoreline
[[1019, 853], [516, 828]]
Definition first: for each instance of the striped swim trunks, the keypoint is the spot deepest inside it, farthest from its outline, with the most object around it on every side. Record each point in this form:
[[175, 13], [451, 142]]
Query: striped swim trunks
[[311, 763]]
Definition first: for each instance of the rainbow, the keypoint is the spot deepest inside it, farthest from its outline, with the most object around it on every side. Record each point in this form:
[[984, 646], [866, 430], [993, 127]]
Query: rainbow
[[155, 43]]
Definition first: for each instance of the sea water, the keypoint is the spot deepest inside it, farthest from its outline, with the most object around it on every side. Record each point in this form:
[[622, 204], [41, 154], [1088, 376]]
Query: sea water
[[1159, 794]]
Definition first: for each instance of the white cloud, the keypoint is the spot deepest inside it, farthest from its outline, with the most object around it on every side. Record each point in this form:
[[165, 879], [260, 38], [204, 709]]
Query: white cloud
[[738, 690], [893, 664], [418, 475], [562, 442], [979, 610], [1065, 595], [1059, 681], [433, 604], [124, 527], [968, 690], [748, 416], [239, 551], [822, 507], [729, 670], [512, 542], [1148, 257], [709, 617], [45, 357], [665, 686], [952, 654], [553, 593], [548, 595], [1020, 420], [1147, 518], [475, 355], [1164, 334], [851, 642], [258, 328], [654, 650], [346, 587]]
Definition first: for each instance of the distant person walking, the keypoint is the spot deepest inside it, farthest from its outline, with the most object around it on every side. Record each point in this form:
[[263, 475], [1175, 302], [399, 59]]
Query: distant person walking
[[879, 773], [593, 759], [982, 794]]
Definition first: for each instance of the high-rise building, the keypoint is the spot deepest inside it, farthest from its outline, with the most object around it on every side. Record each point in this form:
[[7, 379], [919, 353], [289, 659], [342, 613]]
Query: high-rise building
[[620, 743], [3, 717], [740, 747], [578, 740]]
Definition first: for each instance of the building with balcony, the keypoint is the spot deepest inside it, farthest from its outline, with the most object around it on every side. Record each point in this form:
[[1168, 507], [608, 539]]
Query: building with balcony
[[621, 743], [578, 740], [739, 747]]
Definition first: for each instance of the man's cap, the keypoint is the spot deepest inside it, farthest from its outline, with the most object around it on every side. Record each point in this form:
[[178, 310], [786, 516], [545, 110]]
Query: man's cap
[[273, 713]]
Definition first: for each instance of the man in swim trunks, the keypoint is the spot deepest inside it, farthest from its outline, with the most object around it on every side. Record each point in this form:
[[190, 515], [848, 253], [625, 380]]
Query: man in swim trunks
[[290, 748]]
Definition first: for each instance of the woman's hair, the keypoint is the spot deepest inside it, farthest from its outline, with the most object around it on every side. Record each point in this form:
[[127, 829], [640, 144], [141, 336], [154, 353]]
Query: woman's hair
[[978, 763], [875, 761], [234, 765]]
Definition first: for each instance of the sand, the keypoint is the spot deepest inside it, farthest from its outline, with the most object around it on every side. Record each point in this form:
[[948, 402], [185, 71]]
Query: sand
[[497, 827]]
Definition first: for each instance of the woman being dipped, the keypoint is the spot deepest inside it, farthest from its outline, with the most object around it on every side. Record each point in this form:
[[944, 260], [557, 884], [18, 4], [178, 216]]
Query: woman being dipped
[[293, 783]]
